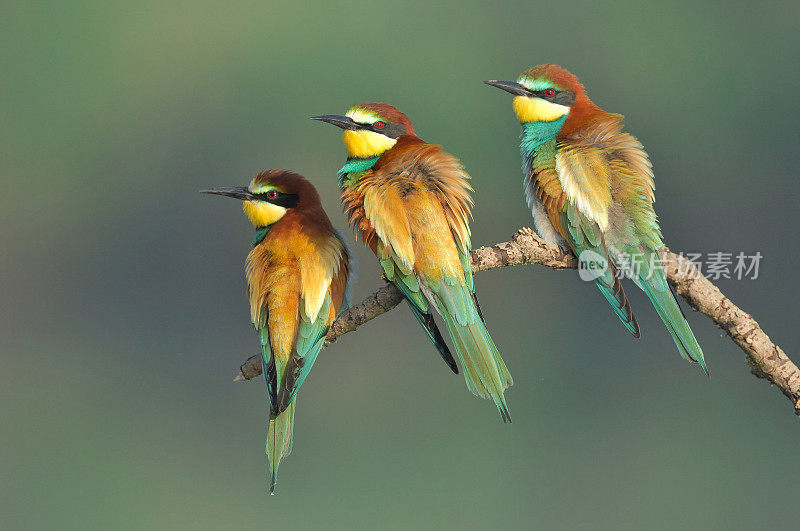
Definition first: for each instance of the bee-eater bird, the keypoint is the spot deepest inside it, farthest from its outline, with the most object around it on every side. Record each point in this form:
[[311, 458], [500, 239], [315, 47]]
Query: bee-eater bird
[[411, 202], [297, 277], [590, 185]]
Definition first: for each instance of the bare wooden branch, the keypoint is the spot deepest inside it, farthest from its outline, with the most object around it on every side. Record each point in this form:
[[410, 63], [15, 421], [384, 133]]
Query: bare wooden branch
[[766, 359]]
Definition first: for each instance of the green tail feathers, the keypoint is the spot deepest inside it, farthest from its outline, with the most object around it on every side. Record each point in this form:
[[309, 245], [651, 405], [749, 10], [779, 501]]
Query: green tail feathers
[[484, 370], [659, 293], [611, 288], [426, 321], [279, 441]]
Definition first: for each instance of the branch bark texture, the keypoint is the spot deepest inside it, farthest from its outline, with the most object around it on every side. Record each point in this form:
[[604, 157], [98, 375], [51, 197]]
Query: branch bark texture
[[766, 359]]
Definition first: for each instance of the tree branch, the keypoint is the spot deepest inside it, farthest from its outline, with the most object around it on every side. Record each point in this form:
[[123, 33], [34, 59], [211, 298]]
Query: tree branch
[[766, 359]]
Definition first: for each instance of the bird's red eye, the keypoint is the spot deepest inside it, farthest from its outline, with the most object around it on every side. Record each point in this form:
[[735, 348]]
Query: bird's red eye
[[379, 125], [272, 194], [549, 93]]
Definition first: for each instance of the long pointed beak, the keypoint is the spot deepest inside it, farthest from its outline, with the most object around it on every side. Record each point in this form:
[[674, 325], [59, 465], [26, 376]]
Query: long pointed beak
[[509, 86], [237, 192], [338, 120]]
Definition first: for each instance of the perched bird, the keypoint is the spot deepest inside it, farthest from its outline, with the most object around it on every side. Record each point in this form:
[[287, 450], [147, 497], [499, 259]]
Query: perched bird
[[590, 185], [411, 202], [297, 276]]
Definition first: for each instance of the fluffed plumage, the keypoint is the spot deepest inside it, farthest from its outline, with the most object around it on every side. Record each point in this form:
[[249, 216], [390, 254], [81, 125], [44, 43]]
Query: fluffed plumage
[[411, 204], [591, 185], [297, 275]]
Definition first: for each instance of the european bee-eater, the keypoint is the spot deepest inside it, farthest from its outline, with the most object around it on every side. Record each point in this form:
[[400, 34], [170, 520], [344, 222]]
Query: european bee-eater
[[590, 185], [411, 202], [297, 278]]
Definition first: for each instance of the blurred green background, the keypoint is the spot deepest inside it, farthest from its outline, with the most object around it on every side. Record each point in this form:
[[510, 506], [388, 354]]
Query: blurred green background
[[124, 317]]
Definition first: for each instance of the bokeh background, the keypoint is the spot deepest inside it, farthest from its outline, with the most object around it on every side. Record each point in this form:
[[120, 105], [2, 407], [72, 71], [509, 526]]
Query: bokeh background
[[123, 316]]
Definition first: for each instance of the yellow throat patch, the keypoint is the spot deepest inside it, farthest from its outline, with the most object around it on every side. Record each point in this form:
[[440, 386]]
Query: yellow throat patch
[[537, 110], [262, 213], [365, 144]]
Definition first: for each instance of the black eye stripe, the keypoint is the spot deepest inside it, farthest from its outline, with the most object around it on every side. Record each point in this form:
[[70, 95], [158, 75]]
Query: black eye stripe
[[390, 129], [561, 97], [263, 196], [282, 199]]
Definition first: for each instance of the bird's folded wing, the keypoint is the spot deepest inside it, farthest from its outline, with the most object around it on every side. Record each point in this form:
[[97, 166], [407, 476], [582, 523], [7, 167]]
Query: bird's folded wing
[[585, 177], [575, 189], [416, 201], [323, 283], [606, 174], [309, 340]]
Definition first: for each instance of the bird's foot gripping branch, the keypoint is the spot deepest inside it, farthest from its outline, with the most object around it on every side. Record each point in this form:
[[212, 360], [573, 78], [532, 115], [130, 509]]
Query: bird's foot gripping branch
[[766, 359]]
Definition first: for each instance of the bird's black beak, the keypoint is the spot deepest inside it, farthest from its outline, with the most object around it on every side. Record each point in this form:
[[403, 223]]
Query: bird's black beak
[[509, 86], [237, 192], [339, 121]]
